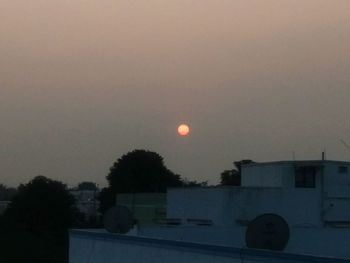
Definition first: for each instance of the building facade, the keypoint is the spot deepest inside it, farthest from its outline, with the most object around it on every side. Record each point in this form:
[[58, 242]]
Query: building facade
[[311, 197]]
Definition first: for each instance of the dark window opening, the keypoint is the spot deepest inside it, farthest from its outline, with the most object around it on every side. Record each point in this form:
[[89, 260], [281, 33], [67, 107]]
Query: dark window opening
[[305, 177], [343, 169]]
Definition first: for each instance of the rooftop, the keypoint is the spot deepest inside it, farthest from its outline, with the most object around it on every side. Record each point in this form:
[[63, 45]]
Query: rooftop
[[304, 162]]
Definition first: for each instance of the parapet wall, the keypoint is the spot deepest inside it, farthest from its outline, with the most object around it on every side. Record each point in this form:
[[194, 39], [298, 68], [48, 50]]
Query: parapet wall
[[98, 247]]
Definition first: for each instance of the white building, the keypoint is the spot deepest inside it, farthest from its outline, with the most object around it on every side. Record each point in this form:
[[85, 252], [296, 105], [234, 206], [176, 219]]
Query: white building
[[304, 193], [210, 224]]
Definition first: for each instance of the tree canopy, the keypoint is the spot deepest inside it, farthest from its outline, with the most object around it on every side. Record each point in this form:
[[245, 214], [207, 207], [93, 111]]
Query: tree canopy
[[106, 198], [141, 171], [6, 193], [233, 176], [34, 227], [42, 206]]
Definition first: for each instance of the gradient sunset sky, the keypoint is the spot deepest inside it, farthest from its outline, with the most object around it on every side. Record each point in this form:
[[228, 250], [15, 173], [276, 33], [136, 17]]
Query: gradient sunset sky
[[84, 81]]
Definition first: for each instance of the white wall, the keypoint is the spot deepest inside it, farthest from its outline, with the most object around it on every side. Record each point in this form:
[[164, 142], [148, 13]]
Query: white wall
[[223, 236], [298, 206], [110, 248], [336, 205], [328, 242], [197, 203], [337, 185], [227, 205], [268, 175]]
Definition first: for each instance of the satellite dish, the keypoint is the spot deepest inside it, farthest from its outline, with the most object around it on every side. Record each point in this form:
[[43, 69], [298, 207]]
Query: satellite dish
[[267, 231], [118, 219]]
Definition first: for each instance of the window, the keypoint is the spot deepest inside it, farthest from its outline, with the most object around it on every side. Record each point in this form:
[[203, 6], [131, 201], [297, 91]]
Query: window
[[342, 169], [305, 177]]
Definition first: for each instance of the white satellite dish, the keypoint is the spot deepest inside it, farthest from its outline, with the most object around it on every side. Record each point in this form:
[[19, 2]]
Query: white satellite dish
[[268, 231]]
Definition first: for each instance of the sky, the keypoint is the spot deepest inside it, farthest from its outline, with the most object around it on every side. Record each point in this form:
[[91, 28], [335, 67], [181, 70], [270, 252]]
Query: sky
[[83, 82]]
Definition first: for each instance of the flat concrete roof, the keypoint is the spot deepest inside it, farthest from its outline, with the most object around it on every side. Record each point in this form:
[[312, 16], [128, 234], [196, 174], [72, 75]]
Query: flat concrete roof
[[302, 162], [234, 252]]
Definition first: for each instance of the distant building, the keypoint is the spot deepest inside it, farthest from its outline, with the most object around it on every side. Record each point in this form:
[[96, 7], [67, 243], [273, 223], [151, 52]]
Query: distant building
[[87, 202], [210, 224], [314, 193]]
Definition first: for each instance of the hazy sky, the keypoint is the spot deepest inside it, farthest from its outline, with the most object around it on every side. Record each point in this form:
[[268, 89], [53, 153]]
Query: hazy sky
[[84, 81]]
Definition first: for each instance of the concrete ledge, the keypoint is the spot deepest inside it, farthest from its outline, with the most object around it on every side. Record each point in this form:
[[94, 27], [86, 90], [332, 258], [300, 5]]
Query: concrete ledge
[[223, 251]]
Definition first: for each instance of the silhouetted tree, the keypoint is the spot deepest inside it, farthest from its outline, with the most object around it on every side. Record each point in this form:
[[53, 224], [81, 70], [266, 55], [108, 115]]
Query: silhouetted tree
[[107, 199], [141, 171], [230, 177], [6, 193], [233, 177], [138, 171], [38, 218], [42, 206]]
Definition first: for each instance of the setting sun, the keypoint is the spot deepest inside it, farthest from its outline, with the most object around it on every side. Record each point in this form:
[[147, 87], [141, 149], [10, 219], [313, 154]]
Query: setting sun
[[183, 129]]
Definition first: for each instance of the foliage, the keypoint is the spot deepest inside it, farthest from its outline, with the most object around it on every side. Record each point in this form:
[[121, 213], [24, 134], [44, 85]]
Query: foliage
[[230, 177], [6, 193], [41, 206], [141, 171], [40, 214], [138, 171], [233, 176], [106, 198]]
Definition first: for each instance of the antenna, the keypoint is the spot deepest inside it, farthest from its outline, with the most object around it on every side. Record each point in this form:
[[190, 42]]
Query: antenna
[[345, 144], [118, 219]]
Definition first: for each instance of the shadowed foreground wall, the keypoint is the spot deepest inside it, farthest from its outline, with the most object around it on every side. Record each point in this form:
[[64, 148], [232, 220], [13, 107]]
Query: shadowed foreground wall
[[97, 247]]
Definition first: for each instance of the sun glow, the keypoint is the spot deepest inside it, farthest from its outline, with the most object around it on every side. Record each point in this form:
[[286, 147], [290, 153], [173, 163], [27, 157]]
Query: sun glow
[[183, 129]]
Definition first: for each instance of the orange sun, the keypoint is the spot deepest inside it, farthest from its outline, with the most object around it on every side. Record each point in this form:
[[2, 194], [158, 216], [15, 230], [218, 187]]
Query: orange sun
[[183, 129]]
